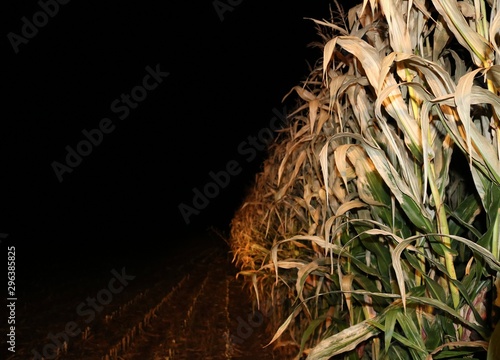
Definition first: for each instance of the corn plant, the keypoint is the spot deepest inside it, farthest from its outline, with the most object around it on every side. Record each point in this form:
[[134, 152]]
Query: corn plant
[[373, 229]]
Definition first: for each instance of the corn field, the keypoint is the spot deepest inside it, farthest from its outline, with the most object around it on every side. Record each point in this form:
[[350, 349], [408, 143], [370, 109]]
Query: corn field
[[372, 230]]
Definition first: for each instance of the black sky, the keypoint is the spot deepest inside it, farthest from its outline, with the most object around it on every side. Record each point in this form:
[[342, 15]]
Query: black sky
[[225, 77]]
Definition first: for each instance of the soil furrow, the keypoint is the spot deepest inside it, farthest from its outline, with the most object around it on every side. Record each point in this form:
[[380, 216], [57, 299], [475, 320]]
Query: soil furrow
[[208, 333], [190, 307], [164, 332]]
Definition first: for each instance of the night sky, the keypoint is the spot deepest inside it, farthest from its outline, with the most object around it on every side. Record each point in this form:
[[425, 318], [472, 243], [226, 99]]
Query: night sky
[[118, 112]]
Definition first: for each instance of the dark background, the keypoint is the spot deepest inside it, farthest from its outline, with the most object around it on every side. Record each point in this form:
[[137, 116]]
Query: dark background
[[225, 78]]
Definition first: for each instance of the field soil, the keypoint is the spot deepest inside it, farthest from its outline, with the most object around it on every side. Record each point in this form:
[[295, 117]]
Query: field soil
[[182, 304]]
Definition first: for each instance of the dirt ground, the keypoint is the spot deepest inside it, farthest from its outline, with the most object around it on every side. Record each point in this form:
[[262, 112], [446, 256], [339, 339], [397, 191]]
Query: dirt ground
[[184, 305]]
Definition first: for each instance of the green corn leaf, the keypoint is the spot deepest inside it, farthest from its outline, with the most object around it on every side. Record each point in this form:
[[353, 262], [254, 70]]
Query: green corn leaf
[[435, 289], [413, 336], [310, 330], [396, 352], [464, 215], [390, 322], [449, 310]]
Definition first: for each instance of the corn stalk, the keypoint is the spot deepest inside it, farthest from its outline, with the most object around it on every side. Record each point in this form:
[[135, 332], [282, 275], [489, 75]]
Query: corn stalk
[[373, 230]]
